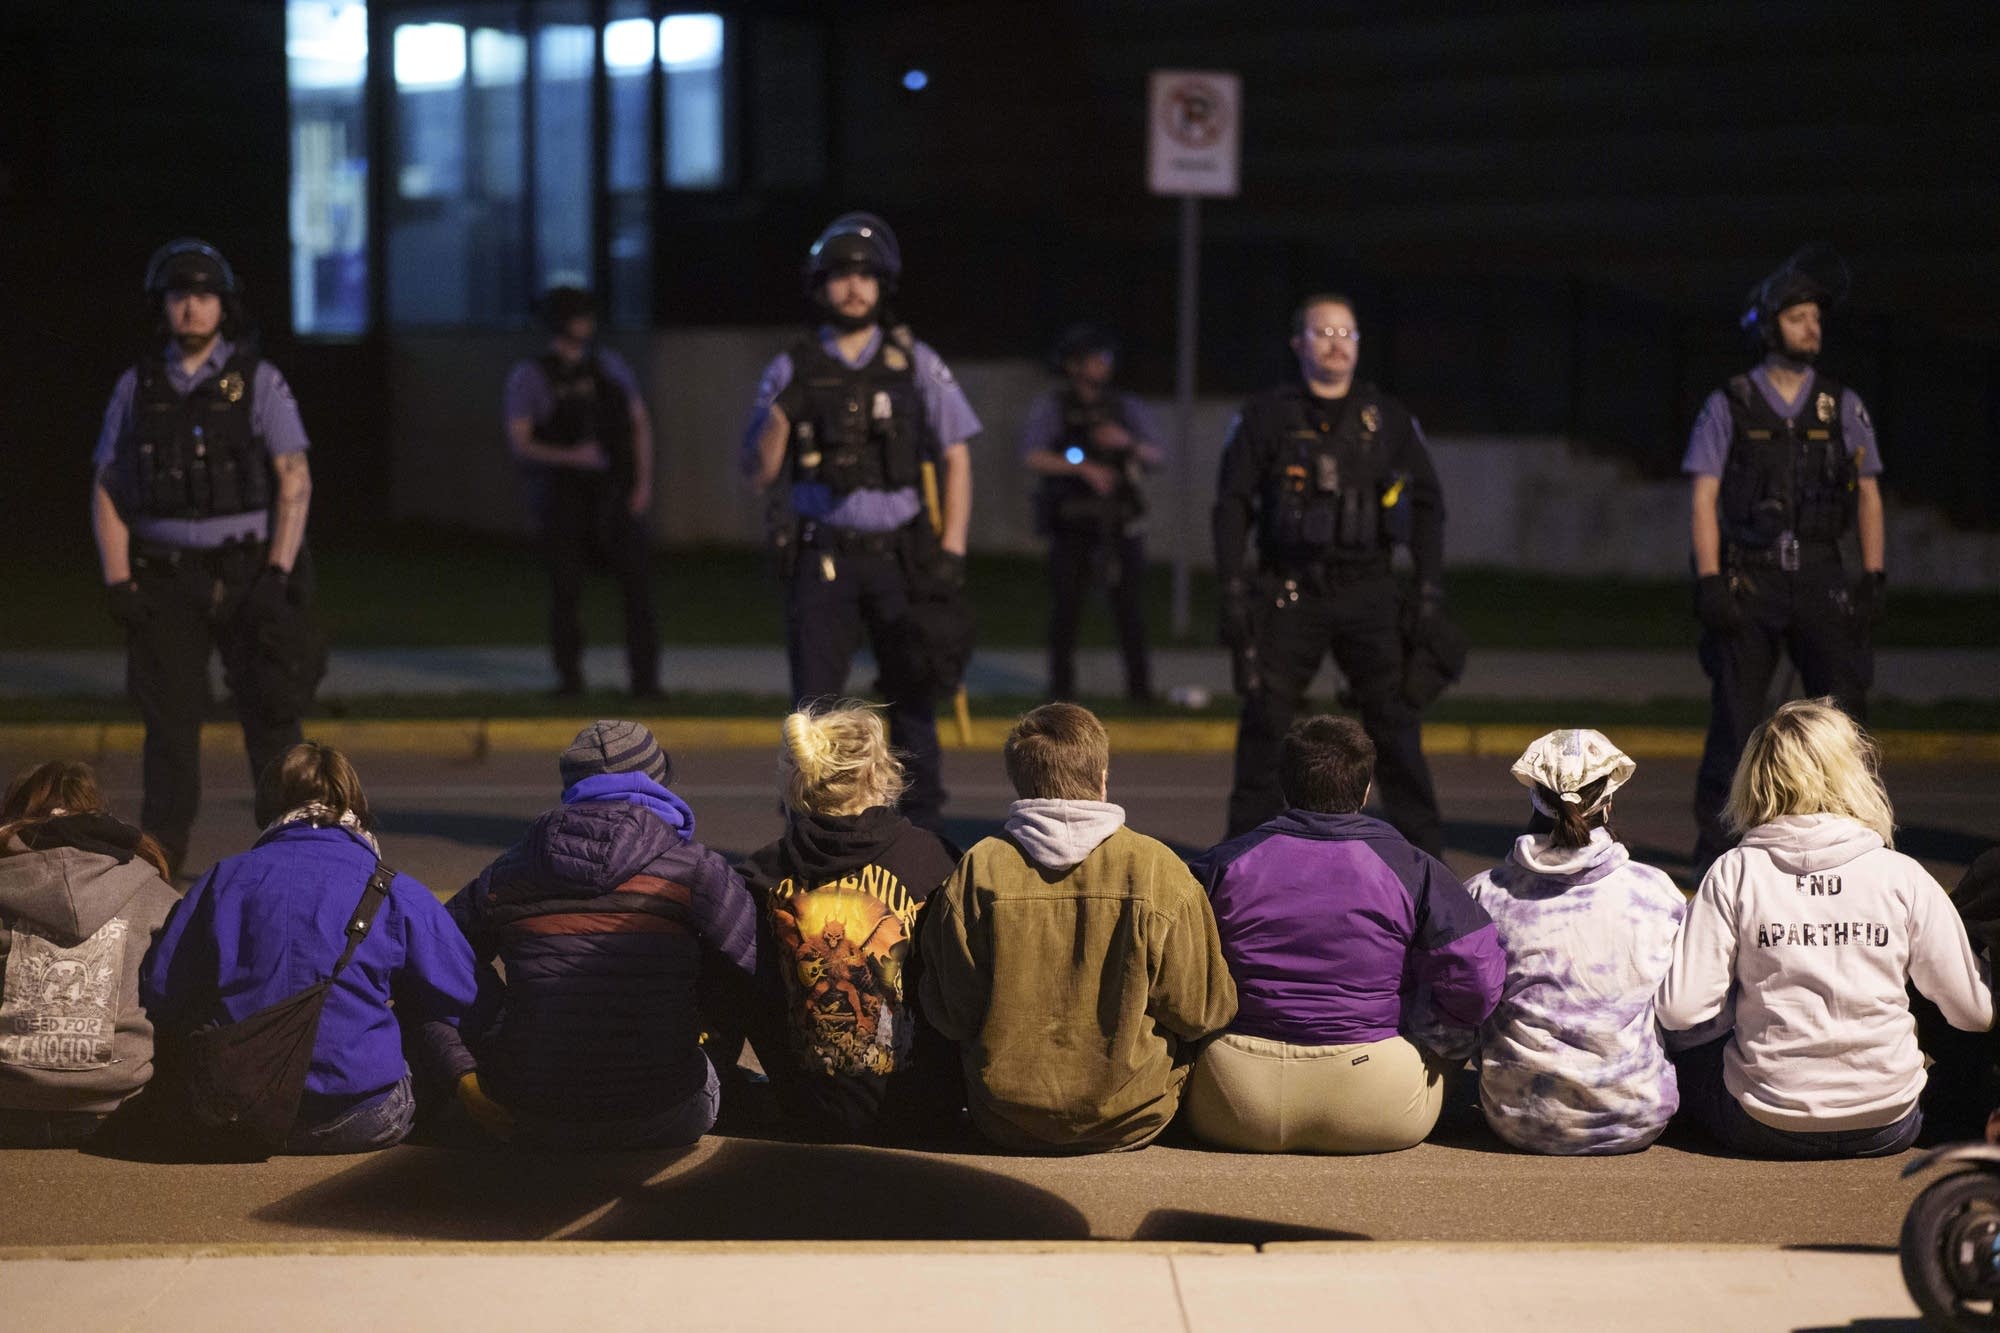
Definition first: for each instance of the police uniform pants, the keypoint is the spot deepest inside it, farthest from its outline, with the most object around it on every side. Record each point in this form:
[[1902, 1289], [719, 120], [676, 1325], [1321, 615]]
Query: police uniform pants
[[825, 621], [1079, 558], [191, 605], [1358, 620], [583, 519], [1806, 614]]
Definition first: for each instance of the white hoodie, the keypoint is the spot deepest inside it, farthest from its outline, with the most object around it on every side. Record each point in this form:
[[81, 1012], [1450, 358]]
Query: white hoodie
[[1818, 926]]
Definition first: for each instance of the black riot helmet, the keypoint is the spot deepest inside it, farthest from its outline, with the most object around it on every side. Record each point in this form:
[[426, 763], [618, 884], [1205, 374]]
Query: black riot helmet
[[564, 302], [189, 264], [1081, 340], [1816, 273], [855, 240]]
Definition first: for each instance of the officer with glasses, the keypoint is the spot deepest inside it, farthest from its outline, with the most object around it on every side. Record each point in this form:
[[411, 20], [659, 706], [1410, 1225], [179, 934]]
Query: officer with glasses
[[1332, 477]]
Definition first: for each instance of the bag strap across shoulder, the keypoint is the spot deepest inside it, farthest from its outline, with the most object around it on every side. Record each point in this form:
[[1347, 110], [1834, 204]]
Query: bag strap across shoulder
[[362, 918]]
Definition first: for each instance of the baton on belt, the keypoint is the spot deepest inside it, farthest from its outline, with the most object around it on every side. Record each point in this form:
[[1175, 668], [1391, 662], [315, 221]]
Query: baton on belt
[[959, 708]]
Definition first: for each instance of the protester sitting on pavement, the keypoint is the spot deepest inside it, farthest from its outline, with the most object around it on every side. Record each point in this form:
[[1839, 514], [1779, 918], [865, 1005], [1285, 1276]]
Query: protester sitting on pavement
[[1074, 960], [260, 927], [1572, 1062], [82, 895], [1812, 927], [838, 896], [602, 916], [1337, 930], [1962, 1095]]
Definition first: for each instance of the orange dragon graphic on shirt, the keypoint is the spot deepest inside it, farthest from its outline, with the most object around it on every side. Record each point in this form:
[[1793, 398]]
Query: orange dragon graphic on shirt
[[843, 943]]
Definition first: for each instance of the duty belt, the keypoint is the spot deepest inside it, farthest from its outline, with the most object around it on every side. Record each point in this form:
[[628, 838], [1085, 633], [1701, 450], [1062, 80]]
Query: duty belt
[[1787, 553], [849, 541], [1329, 571]]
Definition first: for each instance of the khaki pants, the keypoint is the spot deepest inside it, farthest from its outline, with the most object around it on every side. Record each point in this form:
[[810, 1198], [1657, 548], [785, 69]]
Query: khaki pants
[[1270, 1096]]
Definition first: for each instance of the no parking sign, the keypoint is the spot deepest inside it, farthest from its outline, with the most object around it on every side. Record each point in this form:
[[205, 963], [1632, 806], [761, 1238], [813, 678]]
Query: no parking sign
[[1196, 127]]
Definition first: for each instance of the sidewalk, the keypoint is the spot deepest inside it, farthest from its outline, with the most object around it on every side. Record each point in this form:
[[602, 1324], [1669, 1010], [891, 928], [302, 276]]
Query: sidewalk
[[888, 1288], [1916, 675]]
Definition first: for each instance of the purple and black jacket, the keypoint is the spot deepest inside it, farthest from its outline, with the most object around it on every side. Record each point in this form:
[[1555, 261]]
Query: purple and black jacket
[[1333, 925]]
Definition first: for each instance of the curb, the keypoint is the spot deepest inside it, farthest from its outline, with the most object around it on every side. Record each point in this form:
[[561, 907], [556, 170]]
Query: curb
[[476, 738]]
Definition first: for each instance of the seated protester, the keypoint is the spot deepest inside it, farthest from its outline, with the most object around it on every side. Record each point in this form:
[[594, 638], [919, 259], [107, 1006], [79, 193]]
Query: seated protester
[[263, 926], [1336, 930], [1571, 1061], [82, 895], [837, 898], [1962, 1097], [1814, 926], [1074, 960], [601, 916]]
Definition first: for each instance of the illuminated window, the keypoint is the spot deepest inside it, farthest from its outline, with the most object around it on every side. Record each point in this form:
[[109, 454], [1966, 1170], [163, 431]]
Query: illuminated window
[[693, 145], [326, 66], [565, 55], [629, 52]]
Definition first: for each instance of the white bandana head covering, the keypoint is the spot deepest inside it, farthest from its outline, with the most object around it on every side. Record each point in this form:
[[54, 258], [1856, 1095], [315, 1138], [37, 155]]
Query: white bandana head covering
[[1566, 762]]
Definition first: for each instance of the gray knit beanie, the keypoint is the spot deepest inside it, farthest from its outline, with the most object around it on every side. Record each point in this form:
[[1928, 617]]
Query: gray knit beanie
[[614, 747]]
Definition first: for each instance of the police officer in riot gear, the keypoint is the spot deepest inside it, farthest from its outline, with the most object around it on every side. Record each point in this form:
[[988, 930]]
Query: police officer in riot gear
[[1783, 466], [1091, 445], [199, 510], [855, 427], [1332, 476], [577, 426]]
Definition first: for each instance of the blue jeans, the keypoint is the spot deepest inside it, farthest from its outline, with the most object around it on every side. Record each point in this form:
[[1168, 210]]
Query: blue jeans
[[1705, 1098], [379, 1122]]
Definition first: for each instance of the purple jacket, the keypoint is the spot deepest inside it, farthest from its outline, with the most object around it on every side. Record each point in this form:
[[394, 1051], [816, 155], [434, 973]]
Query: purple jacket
[[1332, 924]]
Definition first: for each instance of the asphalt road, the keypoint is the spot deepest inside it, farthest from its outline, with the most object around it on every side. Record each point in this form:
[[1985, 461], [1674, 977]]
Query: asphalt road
[[442, 820]]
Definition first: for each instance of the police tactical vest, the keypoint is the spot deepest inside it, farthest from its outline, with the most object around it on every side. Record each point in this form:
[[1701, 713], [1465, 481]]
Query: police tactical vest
[[1069, 502], [856, 428], [1785, 474], [588, 405], [195, 456], [1331, 491]]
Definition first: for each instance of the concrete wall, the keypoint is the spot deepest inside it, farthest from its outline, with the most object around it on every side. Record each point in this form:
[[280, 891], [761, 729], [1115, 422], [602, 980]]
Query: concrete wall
[[1524, 502]]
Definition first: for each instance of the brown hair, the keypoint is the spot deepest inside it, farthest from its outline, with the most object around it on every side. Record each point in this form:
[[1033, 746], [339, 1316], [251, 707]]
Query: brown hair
[[1058, 752], [311, 774], [1326, 764], [1569, 826], [62, 787]]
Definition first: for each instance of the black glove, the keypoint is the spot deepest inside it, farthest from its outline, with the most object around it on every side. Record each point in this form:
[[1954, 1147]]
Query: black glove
[[1235, 628], [1870, 597], [949, 570], [1715, 603], [269, 597], [124, 603]]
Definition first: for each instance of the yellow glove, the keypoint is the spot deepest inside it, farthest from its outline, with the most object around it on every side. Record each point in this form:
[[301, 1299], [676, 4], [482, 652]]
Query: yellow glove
[[488, 1114]]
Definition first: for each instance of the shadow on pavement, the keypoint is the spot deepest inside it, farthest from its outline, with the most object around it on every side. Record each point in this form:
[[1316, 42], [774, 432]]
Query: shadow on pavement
[[1222, 1229], [742, 1190], [1869, 1326], [460, 826], [1929, 843]]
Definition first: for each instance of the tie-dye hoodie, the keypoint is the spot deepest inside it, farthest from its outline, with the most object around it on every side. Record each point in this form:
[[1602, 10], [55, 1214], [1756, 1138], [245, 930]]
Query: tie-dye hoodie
[[1571, 1062]]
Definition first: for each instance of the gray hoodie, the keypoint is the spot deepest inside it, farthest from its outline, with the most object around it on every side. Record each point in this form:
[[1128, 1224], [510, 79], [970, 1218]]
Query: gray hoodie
[[1057, 834], [74, 926]]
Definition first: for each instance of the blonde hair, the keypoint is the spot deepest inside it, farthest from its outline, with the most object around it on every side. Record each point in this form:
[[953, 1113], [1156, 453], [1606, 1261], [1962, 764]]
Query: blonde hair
[[1809, 758], [836, 760], [1058, 751]]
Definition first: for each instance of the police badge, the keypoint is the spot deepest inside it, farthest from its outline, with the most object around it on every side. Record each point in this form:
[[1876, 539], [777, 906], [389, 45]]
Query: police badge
[[1824, 406], [230, 386], [895, 358], [1371, 418]]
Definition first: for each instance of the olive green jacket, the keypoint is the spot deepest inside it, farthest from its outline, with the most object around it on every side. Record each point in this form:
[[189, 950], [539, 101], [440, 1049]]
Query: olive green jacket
[[1077, 997]]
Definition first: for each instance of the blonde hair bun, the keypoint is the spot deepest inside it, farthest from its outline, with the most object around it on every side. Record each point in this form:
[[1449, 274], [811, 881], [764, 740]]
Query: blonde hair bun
[[837, 760]]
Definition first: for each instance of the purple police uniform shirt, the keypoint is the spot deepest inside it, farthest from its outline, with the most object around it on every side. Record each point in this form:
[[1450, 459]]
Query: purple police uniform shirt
[[274, 416], [951, 419], [1708, 443], [1043, 427], [527, 392]]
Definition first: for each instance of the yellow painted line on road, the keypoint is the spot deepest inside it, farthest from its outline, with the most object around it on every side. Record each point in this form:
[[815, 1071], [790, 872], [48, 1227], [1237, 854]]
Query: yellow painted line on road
[[475, 738], [570, 1248]]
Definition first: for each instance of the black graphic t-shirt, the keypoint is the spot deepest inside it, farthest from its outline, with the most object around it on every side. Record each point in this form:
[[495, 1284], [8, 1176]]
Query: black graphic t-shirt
[[837, 901]]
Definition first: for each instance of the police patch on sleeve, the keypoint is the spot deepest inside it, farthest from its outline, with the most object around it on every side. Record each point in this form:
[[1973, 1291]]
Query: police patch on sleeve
[[1861, 416]]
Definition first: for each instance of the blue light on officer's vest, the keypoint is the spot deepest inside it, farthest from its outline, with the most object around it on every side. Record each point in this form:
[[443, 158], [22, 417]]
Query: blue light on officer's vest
[[916, 80], [1073, 455]]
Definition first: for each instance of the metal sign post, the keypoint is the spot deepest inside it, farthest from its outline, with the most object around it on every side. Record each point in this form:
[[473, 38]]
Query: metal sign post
[[1191, 151]]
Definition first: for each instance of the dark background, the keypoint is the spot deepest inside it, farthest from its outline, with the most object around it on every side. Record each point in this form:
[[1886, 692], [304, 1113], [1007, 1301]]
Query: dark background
[[1546, 213]]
